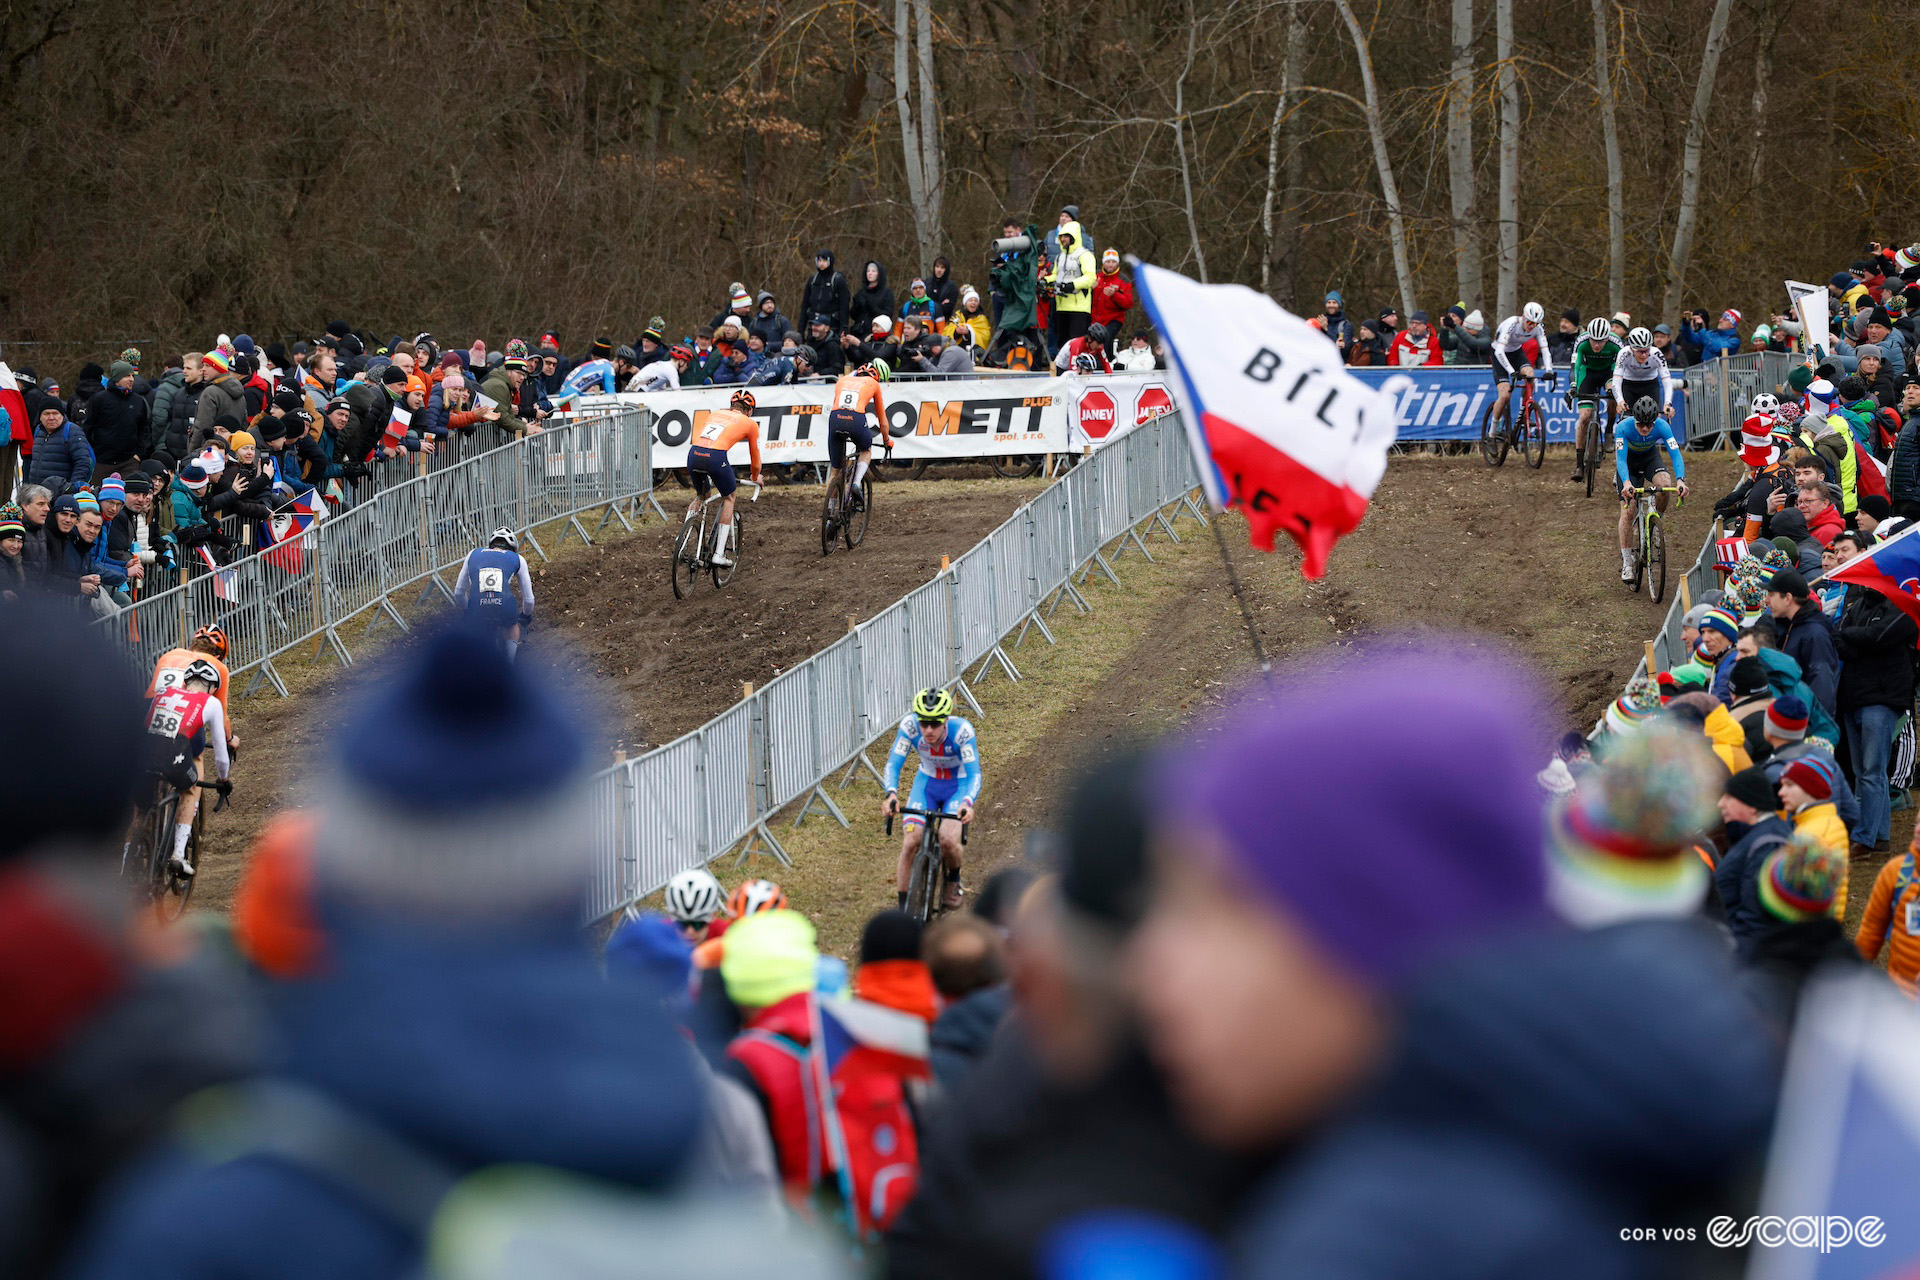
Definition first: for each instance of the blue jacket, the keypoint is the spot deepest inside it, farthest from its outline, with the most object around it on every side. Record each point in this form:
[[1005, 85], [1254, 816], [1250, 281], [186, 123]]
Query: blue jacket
[[62, 460], [1541, 1094], [1733, 878], [1808, 640], [477, 1051], [963, 1031], [1714, 343], [730, 373], [82, 560]]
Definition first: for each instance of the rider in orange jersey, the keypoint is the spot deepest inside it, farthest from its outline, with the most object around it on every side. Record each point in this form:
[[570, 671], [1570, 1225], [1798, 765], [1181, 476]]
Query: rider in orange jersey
[[707, 462], [855, 395]]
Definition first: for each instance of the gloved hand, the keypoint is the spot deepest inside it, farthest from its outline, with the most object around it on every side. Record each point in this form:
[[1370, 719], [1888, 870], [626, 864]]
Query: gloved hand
[[526, 620], [353, 470]]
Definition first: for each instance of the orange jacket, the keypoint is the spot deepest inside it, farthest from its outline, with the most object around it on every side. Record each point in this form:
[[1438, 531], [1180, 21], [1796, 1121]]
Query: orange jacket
[[1886, 919]]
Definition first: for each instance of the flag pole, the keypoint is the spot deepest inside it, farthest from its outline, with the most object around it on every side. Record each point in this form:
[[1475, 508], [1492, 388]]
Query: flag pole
[[1240, 594]]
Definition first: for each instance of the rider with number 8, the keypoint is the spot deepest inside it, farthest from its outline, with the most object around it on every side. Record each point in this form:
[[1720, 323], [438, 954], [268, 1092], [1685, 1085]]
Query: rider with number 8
[[707, 462], [483, 588], [1593, 360], [855, 395], [948, 782], [1509, 341], [1636, 456]]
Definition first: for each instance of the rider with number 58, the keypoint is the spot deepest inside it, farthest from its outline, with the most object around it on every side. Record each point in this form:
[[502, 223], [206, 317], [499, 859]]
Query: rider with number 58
[[486, 578], [1636, 455]]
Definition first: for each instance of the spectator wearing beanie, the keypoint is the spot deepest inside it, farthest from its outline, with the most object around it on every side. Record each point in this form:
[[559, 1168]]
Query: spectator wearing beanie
[[1892, 919], [891, 971], [1752, 694], [1799, 936], [1719, 632], [1875, 642], [966, 957], [117, 423], [1749, 809], [1789, 734], [1805, 634], [1806, 793], [1707, 714], [13, 569]]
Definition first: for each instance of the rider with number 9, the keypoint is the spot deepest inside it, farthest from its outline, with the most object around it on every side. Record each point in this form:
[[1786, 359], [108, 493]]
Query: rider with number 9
[[490, 579], [1636, 455], [948, 782]]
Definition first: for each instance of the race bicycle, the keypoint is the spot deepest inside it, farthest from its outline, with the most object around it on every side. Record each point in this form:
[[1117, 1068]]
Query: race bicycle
[[1599, 445], [1531, 427], [693, 547], [840, 517], [927, 881], [149, 853], [1650, 550]]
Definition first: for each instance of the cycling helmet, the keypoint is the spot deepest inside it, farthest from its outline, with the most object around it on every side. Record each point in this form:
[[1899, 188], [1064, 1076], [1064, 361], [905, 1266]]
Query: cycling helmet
[[755, 896], [1641, 337], [625, 353], [1097, 333], [1598, 329], [506, 536], [743, 401], [1084, 363], [1646, 409], [202, 670], [1533, 313], [680, 352], [881, 370], [932, 704], [1766, 402], [694, 896], [215, 637]]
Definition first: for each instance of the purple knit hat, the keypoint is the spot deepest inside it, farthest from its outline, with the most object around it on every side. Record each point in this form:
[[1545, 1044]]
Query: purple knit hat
[[1384, 802]]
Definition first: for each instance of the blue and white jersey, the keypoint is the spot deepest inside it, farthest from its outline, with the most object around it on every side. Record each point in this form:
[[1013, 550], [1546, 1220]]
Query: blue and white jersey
[[1629, 441], [955, 762], [594, 377]]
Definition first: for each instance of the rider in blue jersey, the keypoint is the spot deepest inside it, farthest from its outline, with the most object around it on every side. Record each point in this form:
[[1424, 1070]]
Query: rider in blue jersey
[[948, 782], [592, 378], [1636, 459], [490, 579]]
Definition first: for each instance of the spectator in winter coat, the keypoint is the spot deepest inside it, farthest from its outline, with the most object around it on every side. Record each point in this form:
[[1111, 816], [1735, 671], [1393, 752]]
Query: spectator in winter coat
[[1891, 904], [942, 289], [1369, 345], [1561, 341], [970, 315], [1417, 345], [1876, 376], [826, 294], [967, 960], [767, 320], [1875, 642], [738, 368], [14, 589], [1806, 635], [872, 299], [936, 354], [1071, 284], [92, 378], [117, 424], [1814, 500], [62, 458], [1723, 339], [1138, 356], [160, 413], [919, 305], [1112, 294], [1903, 476], [221, 393], [1473, 344], [36, 508], [1749, 808], [503, 386], [1689, 345]]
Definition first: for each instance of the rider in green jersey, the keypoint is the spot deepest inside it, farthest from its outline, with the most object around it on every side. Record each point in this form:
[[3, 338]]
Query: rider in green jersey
[[1593, 358]]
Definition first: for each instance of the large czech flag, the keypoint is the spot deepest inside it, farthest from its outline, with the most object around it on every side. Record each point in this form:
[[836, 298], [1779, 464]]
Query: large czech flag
[[15, 403], [1279, 427], [1892, 568]]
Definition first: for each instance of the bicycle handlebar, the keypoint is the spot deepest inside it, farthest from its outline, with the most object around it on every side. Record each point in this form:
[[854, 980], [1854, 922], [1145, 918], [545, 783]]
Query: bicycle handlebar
[[904, 811]]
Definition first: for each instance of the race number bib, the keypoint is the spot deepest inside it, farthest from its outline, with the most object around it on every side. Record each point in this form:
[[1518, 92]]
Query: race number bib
[[165, 719], [492, 581], [849, 398], [1913, 918], [712, 431], [169, 678]]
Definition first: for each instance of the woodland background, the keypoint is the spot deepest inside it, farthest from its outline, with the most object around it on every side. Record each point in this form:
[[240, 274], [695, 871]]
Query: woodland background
[[497, 167]]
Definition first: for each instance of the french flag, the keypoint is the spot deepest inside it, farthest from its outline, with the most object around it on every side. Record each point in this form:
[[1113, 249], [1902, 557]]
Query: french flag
[[1278, 426], [1892, 568]]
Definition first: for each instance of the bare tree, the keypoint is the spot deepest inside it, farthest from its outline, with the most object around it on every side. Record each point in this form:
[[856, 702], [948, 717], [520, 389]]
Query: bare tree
[[1180, 143], [1690, 158], [1466, 243], [1616, 176], [1382, 162], [1508, 282], [1282, 106], [919, 134], [1765, 29]]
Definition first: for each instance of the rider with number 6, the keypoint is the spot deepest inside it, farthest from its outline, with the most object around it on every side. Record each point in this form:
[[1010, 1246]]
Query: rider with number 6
[[707, 462], [1636, 454], [855, 395], [948, 782], [1509, 343], [489, 580]]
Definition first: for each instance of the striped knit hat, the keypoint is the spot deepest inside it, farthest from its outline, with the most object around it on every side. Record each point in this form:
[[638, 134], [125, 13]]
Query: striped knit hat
[[1719, 619], [1620, 848], [12, 523], [1787, 719], [1813, 776], [1751, 593], [218, 360], [1632, 708], [1800, 879]]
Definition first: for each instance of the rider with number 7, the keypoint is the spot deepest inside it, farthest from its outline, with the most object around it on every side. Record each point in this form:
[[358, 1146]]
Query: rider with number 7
[[1636, 454], [948, 782]]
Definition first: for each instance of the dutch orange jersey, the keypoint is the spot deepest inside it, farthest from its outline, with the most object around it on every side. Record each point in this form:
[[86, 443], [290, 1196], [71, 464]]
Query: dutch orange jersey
[[167, 674], [858, 395], [726, 428]]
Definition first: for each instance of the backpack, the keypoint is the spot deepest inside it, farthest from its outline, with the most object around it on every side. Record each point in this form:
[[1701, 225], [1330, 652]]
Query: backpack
[[1019, 356]]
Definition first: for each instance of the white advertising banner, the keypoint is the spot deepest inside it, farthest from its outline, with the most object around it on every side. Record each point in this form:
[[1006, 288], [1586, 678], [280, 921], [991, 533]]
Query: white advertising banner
[[1810, 308], [938, 418]]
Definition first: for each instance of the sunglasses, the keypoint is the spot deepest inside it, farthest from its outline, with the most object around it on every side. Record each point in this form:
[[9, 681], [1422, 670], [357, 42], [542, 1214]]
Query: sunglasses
[[931, 724]]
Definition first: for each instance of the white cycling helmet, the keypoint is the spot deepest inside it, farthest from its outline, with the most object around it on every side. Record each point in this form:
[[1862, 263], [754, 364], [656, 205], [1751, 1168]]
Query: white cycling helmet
[[1766, 402], [201, 669], [1533, 313], [694, 897], [1598, 329], [506, 536], [1641, 337]]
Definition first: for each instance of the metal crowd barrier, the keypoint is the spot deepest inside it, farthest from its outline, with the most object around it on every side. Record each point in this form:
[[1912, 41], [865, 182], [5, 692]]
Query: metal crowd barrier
[[1719, 391], [301, 591], [683, 804], [1665, 646]]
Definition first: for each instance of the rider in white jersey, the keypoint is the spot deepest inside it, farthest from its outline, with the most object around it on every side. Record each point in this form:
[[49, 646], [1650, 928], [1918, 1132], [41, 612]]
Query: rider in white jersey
[[1510, 340]]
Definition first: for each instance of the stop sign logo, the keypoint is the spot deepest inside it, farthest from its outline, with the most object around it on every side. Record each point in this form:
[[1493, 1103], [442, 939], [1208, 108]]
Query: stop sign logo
[[1097, 413], [1153, 402]]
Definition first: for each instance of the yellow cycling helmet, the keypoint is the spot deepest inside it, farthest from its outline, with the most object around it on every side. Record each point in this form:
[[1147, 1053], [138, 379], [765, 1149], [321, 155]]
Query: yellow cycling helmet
[[932, 704]]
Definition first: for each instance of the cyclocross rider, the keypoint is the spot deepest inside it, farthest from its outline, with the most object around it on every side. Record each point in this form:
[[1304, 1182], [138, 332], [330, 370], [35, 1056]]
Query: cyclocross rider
[[693, 899], [707, 462], [1510, 341], [1593, 359], [1642, 371], [184, 718], [855, 395], [1637, 463], [483, 588], [209, 644], [948, 782]]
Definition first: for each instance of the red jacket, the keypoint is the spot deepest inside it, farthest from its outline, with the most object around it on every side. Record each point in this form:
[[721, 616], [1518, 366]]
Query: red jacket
[[773, 1049], [1826, 526], [1409, 350], [1112, 299]]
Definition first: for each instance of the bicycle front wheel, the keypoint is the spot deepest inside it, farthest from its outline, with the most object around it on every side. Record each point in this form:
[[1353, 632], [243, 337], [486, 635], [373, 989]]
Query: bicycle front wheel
[[1656, 559], [1533, 438], [686, 556], [854, 526], [736, 548]]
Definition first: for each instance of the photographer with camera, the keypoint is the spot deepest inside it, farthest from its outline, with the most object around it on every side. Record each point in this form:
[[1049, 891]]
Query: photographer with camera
[[1016, 292], [1070, 284]]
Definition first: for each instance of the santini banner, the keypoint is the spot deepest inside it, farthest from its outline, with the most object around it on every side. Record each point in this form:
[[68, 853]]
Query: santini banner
[[1279, 427]]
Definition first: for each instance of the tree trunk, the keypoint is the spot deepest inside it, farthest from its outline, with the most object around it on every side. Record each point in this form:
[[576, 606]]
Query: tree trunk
[[1616, 179], [1466, 244], [1382, 162], [1180, 145], [1280, 105], [1690, 159], [1296, 161], [919, 135], [1762, 73], [1508, 283]]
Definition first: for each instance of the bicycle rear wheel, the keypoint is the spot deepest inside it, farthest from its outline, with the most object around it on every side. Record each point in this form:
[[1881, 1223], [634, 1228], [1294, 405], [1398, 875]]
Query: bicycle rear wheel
[[854, 527], [1656, 559], [736, 548], [1533, 435], [1016, 466], [1492, 447], [829, 504], [686, 556]]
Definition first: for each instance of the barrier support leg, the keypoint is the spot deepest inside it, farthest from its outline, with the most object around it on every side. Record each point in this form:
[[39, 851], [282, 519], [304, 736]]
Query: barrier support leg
[[999, 655], [960, 687], [613, 512], [265, 671], [535, 544], [760, 841], [858, 763], [1194, 508], [330, 638], [1067, 592], [1105, 566], [820, 797], [1161, 516], [1033, 619], [1133, 535], [386, 607], [657, 508]]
